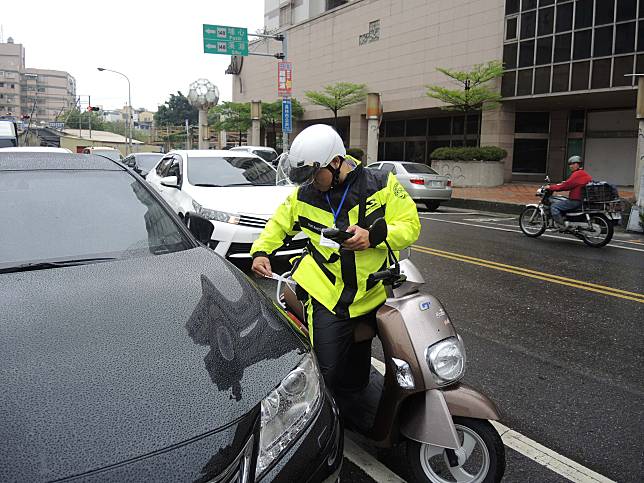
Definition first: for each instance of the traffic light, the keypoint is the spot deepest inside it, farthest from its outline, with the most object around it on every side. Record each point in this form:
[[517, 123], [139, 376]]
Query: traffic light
[[90, 109]]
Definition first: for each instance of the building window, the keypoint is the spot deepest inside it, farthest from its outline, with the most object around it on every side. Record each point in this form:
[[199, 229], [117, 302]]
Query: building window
[[524, 82], [576, 121], [528, 4], [626, 10], [508, 83], [581, 47], [603, 41], [510, 56], [544, 51], [625, 38], [564, 17], [583, 13], [601, 74], [285, 16], [526, 53], [546, 21], [511, 25], [528, 21], [530, 156], [511, 6], [542, 80], [604, 12], [621, 67], [580, 76], [335, 3], [562, 47]]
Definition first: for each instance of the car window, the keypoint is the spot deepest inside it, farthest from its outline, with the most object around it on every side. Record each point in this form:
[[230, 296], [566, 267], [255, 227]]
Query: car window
[[163, 166], [268, 156], [147, 161], [229, 171], [86, 214], [174, 169], [389, 167], [417, 168]]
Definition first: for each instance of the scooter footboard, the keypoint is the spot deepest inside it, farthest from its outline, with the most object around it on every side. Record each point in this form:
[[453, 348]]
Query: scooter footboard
[[465, 401]]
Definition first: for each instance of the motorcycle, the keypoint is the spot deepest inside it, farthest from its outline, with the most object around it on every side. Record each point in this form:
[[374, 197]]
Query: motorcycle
[[593, 223], [420, 405]]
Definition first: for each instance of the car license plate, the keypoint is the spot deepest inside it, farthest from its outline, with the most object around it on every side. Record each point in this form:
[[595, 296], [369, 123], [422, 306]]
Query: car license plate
[[437, 184]]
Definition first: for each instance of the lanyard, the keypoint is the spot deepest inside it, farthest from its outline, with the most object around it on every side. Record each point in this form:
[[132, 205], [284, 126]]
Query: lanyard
[[336, 213]]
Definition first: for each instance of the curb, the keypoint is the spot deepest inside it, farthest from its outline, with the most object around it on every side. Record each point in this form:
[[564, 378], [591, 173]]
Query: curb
[[482, 205]]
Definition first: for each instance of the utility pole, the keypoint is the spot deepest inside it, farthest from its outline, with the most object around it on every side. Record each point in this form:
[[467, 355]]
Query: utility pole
[[638, 182]]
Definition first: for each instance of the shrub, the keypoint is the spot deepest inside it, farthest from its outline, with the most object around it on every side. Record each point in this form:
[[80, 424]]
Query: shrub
[[356, 153], [483, 153]]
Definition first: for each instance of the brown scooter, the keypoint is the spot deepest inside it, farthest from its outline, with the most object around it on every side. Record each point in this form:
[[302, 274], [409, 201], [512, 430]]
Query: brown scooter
[[419, 401]]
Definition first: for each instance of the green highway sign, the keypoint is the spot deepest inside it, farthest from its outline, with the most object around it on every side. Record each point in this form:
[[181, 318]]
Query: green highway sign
[[221, 39]]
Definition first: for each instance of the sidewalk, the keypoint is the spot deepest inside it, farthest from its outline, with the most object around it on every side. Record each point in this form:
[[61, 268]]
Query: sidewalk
[[507, 198]]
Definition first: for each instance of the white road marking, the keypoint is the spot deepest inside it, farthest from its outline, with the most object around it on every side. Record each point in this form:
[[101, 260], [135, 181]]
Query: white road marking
[[548, 458], [434, 213], [488, 220], [544, 235], [535, 451], [367, 463]]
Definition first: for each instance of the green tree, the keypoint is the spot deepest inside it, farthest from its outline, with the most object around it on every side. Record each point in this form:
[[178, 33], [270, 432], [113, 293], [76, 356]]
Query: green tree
[[230, 116], [473, 94], [338, 96], [74, 118], [175, 111], [272, 117]]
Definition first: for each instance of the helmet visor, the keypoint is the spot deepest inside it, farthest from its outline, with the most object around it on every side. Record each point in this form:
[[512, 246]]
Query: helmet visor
[[291, 171]]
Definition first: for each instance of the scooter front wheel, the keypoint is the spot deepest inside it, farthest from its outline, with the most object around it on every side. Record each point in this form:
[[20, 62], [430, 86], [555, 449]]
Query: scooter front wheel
[[481, 458]]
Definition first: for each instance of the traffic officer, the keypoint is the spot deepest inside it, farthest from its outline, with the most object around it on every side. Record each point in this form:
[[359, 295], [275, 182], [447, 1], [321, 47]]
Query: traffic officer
[[335, 190]]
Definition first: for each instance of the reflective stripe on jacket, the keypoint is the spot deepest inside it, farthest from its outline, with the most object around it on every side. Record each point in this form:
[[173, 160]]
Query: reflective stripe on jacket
[[338, 278]]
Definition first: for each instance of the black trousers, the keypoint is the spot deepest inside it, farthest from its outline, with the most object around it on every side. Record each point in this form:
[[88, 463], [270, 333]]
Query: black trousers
[[345, 365]]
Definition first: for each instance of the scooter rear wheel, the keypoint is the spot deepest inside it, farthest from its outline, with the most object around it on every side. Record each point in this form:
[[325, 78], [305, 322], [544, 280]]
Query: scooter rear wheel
[[481, 459]]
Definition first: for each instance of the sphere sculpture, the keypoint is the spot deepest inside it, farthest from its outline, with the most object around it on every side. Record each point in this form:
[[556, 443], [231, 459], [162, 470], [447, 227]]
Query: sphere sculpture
[[203, 94]]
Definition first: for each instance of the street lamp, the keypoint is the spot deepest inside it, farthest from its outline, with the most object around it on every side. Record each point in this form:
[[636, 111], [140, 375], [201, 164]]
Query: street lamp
[[129, 101]]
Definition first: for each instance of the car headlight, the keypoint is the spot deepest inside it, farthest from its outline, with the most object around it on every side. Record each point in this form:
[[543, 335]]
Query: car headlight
[[287, 410], [215, 215], [446, 360]]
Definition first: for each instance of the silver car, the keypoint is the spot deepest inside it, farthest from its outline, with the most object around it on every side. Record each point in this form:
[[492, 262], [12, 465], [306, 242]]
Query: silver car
[[422, 183]]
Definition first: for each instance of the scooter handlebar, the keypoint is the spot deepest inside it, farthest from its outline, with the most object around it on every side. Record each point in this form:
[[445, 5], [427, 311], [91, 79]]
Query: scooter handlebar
[[338, 236], [380, 276]]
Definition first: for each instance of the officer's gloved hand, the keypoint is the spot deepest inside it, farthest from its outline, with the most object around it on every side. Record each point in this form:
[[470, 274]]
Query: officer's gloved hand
[[359, 240], [262, 267]]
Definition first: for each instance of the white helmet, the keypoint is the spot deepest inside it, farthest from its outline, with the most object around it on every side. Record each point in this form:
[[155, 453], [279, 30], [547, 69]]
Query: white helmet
[[312, 149]]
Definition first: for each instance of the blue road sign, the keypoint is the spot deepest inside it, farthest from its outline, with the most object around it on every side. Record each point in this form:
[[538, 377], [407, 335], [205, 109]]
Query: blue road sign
[[286, 115]]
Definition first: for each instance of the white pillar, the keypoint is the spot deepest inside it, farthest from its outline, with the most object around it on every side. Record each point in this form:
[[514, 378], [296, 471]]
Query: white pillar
[[204, 140], [373, 120], [255, 126]]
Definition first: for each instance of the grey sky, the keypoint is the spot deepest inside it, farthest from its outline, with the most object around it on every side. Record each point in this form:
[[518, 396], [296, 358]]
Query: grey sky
[[157, 44]]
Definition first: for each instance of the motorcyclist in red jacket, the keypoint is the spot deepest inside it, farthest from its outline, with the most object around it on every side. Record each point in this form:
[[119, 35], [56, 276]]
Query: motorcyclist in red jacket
[[575, 184]]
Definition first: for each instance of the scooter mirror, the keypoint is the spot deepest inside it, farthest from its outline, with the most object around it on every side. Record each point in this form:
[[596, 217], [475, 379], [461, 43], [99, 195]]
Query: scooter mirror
[[378, 232]]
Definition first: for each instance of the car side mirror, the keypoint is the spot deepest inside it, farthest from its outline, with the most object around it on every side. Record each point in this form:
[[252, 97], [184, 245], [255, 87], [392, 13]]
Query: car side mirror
[[199, 226], [378, 232], [170, 182]]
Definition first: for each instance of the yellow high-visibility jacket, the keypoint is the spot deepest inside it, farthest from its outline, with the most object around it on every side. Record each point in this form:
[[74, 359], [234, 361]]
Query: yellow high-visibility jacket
[[337, 278]]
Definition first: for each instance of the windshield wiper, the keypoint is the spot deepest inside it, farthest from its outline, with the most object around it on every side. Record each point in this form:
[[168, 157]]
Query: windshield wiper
[[26, 267], [207, 185], [238, 184]]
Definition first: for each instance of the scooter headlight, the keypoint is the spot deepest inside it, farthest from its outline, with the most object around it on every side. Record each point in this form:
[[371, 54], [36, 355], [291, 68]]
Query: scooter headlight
[[287, 410], [446, 360]]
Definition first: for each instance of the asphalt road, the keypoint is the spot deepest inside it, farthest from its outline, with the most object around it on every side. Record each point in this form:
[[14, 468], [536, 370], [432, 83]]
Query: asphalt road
[[562, 357]]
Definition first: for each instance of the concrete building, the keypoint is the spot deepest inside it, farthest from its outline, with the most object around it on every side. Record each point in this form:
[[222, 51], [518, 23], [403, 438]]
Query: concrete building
[[564, 89], [42, 94]]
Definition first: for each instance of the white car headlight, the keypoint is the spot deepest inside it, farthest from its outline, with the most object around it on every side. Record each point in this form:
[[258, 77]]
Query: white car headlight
[[446, 360], [216, 215], [287, 410]]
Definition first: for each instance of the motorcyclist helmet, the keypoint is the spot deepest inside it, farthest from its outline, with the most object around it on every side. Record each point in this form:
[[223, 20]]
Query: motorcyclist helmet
[[312, 149], [575, 159]]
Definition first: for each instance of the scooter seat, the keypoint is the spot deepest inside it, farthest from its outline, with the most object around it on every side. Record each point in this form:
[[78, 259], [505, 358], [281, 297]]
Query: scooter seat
[[362, 332]]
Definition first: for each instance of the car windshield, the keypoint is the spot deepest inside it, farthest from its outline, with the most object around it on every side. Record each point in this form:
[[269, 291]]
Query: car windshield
[[229, 171], [147, 161], [80, 215], [417, 168]]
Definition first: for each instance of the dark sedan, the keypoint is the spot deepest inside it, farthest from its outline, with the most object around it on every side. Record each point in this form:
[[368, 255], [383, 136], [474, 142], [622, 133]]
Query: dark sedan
[[130, 352]]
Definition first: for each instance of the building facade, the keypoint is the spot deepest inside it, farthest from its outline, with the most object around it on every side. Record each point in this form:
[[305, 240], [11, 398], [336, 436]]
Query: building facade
[[564, 89], [41, 94]]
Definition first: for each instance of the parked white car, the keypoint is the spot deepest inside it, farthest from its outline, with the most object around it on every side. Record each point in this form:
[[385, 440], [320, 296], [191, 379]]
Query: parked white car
[[235, 190], [35, 149]]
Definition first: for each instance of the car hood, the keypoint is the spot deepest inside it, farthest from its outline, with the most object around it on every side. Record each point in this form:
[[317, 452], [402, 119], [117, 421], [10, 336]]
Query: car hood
[[105, 363], [247, 200]]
